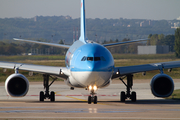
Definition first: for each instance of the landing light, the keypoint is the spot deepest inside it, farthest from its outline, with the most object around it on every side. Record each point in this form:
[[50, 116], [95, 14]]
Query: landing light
[[95, 88], [90, 87]]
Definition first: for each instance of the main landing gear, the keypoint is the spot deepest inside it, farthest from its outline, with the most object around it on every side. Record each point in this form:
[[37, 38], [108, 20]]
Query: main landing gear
[[128, 94], [92, 97], [44, 95]]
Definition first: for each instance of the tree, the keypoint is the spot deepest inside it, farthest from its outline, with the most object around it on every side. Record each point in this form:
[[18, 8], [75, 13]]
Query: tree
[[150, 35], [61, 42], [169, 40], [177, 42], [160, 39], [155, 39]]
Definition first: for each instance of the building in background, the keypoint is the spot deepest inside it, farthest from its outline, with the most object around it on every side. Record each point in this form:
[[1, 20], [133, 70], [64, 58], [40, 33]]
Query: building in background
[[158, 49]]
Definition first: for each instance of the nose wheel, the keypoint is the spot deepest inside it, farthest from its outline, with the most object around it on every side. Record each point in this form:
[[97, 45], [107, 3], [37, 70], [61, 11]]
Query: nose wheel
[[92, 97]]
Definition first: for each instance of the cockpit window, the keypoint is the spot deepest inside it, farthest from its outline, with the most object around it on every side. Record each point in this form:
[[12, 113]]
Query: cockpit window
[[97, 58], [90, 58], [93, 58], [103, 59], [84, 58]]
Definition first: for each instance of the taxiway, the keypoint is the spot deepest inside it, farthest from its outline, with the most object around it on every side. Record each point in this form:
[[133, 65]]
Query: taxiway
[[72, 104]]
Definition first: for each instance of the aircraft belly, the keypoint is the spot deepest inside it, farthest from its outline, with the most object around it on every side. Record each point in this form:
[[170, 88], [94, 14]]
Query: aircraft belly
[[91, 78]]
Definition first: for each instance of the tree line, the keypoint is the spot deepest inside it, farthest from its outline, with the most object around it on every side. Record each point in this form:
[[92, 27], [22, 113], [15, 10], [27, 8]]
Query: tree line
[[161, 39], [177, 42], [61, 27], [17, 48], [154, 39]]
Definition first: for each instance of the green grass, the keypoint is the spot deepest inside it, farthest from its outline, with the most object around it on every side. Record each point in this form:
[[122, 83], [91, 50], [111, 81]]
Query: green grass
[[175, 95], [144, 57]]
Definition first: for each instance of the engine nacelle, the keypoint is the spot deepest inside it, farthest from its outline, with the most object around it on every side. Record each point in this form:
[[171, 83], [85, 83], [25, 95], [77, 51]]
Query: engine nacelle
[[17, 85], [162, 85]]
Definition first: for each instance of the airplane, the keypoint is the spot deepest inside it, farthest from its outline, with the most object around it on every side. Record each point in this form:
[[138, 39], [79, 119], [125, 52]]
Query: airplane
[[90, 66]]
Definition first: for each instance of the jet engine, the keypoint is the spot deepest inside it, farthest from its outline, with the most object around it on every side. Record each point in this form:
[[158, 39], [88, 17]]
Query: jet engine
[[162, 85], [17, 85]]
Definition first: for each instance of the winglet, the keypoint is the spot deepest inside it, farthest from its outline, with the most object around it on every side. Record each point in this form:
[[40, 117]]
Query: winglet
[[83, 23]]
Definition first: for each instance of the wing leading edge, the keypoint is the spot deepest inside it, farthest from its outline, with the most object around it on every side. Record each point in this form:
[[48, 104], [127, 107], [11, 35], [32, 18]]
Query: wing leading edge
[[62, 72], [121, 71]]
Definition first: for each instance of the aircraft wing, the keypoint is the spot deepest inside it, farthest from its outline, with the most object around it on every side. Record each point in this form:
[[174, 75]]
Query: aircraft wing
[[62, 72], [43, 43], [125, 42], [121, 71]]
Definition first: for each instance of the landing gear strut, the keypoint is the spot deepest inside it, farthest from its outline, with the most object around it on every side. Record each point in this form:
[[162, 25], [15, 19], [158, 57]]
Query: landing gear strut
[[44, 95], [92, 97], [128, 94]]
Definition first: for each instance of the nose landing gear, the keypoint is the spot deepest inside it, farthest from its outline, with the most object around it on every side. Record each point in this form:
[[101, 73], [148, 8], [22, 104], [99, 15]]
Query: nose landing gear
[[92, 97]]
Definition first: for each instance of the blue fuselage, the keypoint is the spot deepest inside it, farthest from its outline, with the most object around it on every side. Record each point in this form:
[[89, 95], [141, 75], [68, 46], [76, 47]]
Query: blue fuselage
[[92, 60]]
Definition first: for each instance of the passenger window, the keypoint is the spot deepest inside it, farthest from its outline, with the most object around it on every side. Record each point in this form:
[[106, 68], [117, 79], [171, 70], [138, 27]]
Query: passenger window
[[97, 58], [90, 58]]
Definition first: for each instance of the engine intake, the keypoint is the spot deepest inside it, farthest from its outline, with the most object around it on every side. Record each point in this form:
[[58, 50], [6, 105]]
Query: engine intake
[[162, 85], [17, 85]]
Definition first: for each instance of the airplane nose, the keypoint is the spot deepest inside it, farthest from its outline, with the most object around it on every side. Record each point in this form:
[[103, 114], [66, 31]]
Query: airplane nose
[[94, 73], [94, 66]]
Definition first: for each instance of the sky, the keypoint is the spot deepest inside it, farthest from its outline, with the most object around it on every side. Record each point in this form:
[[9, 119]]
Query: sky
[[130, 9]]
